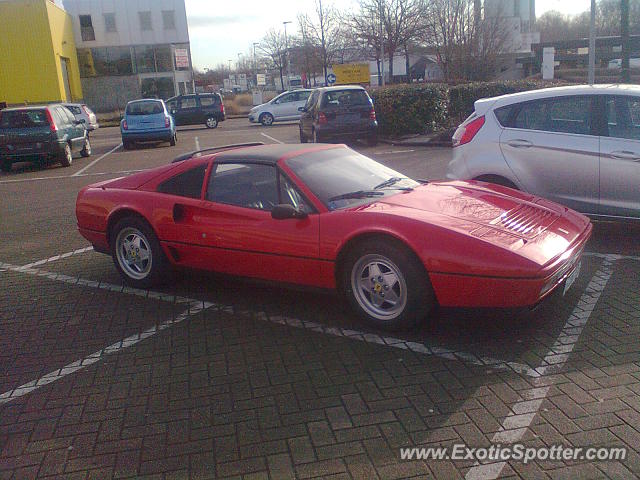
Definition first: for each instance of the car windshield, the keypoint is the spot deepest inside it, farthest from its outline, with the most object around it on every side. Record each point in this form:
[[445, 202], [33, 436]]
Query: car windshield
[[144, 108], [23, 119], [341, 177]]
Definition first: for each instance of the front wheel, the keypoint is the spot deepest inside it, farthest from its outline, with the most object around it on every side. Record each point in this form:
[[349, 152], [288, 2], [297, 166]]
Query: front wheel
[[266, 119], [67, 156], [86, 148], [137, 254], [212, 122], [386, 284]]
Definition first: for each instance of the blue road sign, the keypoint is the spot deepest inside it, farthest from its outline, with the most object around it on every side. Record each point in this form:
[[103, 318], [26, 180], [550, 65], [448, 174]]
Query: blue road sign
[[331, 78]]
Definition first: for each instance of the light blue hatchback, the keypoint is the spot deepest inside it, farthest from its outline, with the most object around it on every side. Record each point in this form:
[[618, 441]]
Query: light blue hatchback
[[147, 120]]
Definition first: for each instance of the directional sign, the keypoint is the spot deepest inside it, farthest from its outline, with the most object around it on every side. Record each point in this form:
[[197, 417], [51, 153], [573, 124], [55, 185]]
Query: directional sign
[[331, 78], [351, 73]]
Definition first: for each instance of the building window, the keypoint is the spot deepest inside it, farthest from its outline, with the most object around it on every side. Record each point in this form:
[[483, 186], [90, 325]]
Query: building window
[[110, 23], [161, 87], [168, 19], [145, 21], [86, 28], [107, 61]]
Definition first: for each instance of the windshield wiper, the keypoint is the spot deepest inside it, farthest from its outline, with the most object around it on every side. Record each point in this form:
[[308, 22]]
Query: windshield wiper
[[392, 181], [356, 194]]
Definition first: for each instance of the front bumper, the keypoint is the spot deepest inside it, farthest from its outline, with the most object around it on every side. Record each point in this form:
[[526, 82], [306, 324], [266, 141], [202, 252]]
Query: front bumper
[[253, 117]]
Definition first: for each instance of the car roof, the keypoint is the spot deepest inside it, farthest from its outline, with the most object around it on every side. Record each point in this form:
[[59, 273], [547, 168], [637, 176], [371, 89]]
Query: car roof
[[31, 107], [145, 100], [602, 89], [271, 153], [341, 87]]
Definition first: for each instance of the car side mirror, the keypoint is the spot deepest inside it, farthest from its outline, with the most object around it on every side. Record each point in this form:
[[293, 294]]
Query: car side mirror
[[80, 122], [285, 211], [302, 109]]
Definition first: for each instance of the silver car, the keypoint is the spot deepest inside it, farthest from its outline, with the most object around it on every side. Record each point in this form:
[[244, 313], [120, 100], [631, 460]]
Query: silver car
[[282, 108], [82, 112], [579, 146]]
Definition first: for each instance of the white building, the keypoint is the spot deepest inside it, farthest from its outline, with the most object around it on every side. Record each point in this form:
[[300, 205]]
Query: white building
[[130, 49], [519, 17]]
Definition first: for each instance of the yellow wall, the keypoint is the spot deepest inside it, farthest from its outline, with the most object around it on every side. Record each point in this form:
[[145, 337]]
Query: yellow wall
[[35, 34]]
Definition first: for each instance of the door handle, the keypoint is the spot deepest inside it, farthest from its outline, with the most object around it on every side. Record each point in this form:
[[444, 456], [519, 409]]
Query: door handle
[[520, 143], [625, 155]]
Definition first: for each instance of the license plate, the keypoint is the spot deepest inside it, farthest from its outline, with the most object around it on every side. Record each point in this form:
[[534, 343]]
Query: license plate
[[572, 278]]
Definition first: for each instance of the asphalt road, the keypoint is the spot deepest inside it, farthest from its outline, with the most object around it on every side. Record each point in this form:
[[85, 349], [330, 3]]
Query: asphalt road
[[217, 377]]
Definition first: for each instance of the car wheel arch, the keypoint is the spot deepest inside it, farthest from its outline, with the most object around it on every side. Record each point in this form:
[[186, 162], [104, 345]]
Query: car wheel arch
[[498, 180], [121, 213]]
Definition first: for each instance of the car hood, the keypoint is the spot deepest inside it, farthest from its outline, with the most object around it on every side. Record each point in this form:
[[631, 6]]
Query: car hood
[[535, 228]]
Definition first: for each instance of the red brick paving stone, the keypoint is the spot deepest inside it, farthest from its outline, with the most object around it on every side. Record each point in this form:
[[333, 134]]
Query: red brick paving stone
[[240, 467], [584, 471], [339, 450], [628, 435], [321, 468], [361, 468], [406, 469], [280, 466], [301, 450], [593, 422]]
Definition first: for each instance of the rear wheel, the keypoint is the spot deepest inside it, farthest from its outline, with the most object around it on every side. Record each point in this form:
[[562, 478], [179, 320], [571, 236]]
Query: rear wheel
[[67, 157], [137, 254], [386, 285], [266, 119], [126, 144], [211, 122], [86, 149]]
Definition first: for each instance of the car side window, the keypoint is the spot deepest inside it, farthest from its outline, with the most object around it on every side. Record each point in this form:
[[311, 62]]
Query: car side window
[[560, 115], [172, 105], [285, 98], [188, 102], [207, 101], [290, 195], [248, 185], [303, 96], [623, 117], [504, 115], [185, 184]]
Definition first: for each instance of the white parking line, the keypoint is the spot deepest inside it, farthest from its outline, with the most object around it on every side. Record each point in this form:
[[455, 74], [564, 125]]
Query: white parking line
[[271, 138], [393, 152], [521, 416], [82, 170], [62, 177], [197, 140]]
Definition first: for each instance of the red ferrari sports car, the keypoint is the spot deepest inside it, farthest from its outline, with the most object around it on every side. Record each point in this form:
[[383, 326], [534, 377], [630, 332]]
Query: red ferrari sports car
[[326, 216]]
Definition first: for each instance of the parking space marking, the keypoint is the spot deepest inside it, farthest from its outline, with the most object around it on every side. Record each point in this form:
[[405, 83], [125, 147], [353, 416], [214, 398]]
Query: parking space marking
[[62, 177], [271, 138], [611, 256], [522, 413], [82, 170], [393, 152], [197, 141], [55, 258]]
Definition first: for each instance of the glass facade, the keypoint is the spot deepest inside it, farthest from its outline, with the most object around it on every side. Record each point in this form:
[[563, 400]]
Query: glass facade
[[161, 87], [111, 61]]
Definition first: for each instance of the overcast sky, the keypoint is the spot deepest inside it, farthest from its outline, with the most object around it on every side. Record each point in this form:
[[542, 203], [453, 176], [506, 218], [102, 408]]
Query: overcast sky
[[219, 33]]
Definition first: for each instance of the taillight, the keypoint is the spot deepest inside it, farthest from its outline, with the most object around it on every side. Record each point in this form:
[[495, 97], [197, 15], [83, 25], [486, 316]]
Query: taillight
[[166, 122], [372, 115], [322, 118], [465, 133], [52, 124], [222, 108], [124, 125]]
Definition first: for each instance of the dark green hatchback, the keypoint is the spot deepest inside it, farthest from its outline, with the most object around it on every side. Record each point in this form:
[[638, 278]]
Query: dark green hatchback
[[44, 134]]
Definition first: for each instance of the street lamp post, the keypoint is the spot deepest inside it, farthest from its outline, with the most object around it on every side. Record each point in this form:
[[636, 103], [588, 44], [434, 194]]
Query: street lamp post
[[382, 46], [286, 44], [255, 69]]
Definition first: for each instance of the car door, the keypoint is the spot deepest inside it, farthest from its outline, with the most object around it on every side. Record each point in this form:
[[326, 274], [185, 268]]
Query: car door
[[282, 107], [75, 132], [620, 157], [301, 97], [187, 114], [243, 237], [553, 148]]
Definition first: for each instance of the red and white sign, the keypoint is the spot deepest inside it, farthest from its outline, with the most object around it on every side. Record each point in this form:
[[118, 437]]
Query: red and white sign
[[182, 58]]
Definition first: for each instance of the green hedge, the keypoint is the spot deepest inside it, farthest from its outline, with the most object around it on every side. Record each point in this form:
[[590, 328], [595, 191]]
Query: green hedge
[[404, 109], [425, 108]]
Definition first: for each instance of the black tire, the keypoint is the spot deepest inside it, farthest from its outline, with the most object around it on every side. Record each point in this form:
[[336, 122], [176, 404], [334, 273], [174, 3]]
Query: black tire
[[173, 140], [5, 166], [419, 298], [497, 180], [127, 145], [67, 157], [303, 139], [372, 140], [266, 119], [159, 269], [86, 149], [211, 122]]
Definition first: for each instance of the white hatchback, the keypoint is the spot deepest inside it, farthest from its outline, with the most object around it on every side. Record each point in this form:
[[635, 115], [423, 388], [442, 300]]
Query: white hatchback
[[578, 146], [282, 108]]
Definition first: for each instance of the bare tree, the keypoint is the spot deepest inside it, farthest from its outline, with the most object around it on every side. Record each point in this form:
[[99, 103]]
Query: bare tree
[[322, 30], [273, 46]]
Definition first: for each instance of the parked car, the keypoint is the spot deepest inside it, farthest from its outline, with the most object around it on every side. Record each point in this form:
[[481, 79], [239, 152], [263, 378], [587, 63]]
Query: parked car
[[44, 134], [281, 108], [196, 109], [578, 146], [338, 113], [329, 217], [82, 112], [147, 120]]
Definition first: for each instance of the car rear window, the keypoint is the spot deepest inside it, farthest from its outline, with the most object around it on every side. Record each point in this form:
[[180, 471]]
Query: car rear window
[[23, 119], [340, 98], [209, 100], [144, 108]]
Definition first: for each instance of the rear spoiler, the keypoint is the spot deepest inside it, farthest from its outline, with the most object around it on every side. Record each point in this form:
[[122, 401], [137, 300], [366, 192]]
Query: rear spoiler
[[187, 156]]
